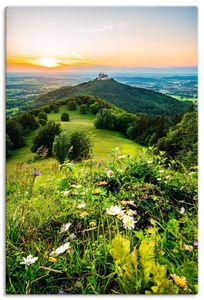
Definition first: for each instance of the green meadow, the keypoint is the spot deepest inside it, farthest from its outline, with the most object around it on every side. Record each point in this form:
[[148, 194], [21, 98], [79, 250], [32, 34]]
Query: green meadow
[[103, 140]]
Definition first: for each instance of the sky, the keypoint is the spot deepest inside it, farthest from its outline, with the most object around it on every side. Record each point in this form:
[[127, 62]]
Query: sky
[[85, 38]]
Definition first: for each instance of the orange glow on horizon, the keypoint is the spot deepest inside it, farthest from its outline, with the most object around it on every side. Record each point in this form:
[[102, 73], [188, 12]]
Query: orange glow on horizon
[[61, 64]]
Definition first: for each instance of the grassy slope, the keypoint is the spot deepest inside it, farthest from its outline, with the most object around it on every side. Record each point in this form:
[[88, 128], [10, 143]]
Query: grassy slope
[[104, 140]]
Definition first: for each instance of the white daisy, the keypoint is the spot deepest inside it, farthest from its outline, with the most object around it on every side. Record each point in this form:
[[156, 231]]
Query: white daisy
[[109, 173], [72, 236], [81, 205], [182, 210], [29, 260], [65, 227], [61, 249], [128, 222], [122, 157], [66, 193], [114, 210], [131, 212]]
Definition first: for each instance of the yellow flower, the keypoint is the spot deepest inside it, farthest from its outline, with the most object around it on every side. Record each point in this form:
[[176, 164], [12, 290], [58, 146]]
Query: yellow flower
[[188, 247], [102, 183], [97, 192], [125, 202], [180, 281], [83, 214], [92, 223], [53, 259]]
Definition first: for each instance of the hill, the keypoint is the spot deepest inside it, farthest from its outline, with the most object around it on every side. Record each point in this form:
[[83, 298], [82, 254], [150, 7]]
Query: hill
[[132, 99]]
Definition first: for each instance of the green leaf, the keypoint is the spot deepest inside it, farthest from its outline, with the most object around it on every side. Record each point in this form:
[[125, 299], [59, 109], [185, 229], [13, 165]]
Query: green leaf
[[120, 248]]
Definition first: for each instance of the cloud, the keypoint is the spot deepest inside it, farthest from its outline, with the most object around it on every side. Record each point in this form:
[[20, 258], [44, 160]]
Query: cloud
[[104, 27]]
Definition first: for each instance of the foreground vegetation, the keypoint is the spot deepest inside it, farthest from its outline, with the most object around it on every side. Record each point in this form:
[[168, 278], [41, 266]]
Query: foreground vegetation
[[105, 220], [127, 226]]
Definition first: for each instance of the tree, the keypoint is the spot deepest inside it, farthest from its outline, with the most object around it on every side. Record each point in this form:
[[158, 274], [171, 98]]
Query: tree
[[61, 147], [72, 105], [9, 145], [42, 122], [55, 108], [15, 132], [47, 109], [105, 119], [123, 121], [46, 136], [28, 121], [42, 115], [64, 117], [83, 109], [94, 108], [74, 146], [181, 142]]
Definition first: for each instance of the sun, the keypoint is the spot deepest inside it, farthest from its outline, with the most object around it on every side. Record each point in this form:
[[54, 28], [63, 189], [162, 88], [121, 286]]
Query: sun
[[48, 62]]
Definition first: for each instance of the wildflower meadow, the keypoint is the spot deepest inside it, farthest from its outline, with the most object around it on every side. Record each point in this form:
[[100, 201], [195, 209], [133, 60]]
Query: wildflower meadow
[[125, 226]]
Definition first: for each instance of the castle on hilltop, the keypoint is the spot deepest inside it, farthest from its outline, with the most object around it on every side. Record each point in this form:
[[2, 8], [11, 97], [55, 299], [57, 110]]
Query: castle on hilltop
[[102, 76]]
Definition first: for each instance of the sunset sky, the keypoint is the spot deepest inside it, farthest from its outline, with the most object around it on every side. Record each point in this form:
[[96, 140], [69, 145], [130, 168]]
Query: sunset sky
[[68, 38]]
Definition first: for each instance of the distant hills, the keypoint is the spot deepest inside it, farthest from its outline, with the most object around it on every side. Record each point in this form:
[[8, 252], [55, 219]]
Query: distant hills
[[132, 99]]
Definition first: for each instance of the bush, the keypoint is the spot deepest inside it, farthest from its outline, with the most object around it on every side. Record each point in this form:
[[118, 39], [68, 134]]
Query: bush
[[72, 105], [181, 142], [80, 145], [105, 119], [47, 109], [55, 108], [64, 117], [35, 112], [74, 146], [9, 145], [94, 108], [15, 132], [28, 121], [42, 122], [46, 136], [83, 109], [42, 115], [61, 147]]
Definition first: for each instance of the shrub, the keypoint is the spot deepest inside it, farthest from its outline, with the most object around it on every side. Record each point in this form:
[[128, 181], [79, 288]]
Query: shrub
[[35, 112], [46, 136], [55, 108], [47, 109], [181, 142], [64, 117], [61, 146], [28, 121], [105, 119], [42, 115], [80, 145], [74, 146], [94, 108], [9, 145], [42, 122], [83, 109], [72, 105], [15, 133]]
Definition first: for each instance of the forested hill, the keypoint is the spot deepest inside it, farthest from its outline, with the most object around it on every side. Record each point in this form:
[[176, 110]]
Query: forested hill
[[132, 99]]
